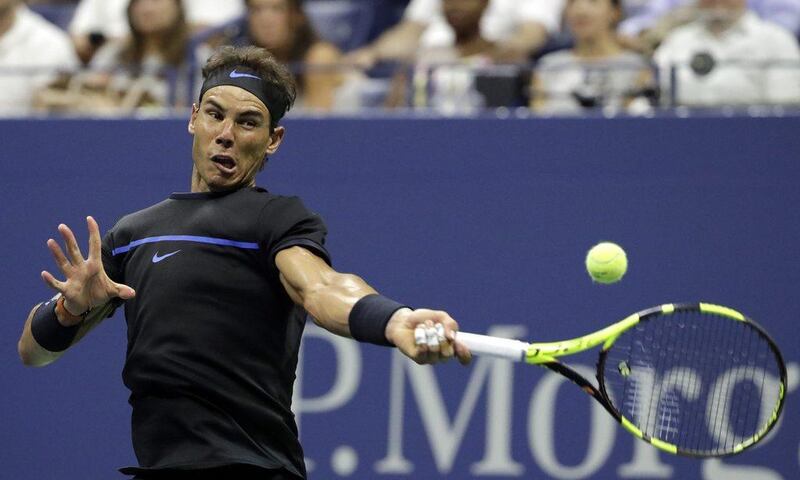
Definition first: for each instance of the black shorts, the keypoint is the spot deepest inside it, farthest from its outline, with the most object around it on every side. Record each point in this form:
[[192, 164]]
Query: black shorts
[[238, 472]]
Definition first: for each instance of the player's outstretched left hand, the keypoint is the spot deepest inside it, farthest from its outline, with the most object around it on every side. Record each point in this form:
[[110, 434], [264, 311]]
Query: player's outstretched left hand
[[426, 336], [86, 284]]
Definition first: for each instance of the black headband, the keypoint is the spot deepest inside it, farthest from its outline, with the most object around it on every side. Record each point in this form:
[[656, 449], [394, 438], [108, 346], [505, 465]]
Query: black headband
[[248, 79]]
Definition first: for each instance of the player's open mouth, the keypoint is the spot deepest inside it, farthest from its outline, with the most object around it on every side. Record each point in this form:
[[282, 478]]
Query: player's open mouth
[[224, 162]]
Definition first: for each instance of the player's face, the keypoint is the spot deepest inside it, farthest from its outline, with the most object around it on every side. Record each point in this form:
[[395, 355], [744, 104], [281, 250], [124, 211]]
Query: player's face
[[589, 18], [231, 139]]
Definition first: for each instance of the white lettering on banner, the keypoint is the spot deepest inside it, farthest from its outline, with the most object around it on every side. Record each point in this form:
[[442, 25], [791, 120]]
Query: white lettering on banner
[[446, 432], [646, 462], [445, 437], [716, 469], [721, 392], [348, 375], [542, 417]]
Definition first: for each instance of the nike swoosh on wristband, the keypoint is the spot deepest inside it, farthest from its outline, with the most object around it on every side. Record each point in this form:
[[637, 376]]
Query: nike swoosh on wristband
[[157, 259], [235, 74]]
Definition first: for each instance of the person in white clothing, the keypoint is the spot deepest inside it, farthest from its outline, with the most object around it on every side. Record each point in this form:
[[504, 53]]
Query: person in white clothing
[[32, 52], [597, 71], [519, 27], [729, 56], [98, 20]]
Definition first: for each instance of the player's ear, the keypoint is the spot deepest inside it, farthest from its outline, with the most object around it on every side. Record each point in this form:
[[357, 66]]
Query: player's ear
[[192, 118], [275, 139]]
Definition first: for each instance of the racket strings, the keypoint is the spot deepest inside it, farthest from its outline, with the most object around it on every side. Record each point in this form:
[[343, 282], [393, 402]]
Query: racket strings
[[701, 382]]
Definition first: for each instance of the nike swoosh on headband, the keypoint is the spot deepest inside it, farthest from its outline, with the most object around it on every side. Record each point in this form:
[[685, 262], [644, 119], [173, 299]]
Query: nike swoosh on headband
[[235, 74], [157, 259]]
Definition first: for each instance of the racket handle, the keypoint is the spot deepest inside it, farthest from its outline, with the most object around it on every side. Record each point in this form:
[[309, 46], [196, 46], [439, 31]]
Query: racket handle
[[494, 346]]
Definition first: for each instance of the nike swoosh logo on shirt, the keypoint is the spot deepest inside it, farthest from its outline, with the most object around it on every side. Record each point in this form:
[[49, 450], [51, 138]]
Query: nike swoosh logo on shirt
[[157, 258], [235, 74]]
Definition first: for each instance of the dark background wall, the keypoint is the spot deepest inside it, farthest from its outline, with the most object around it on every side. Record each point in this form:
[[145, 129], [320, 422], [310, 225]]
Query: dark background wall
[[489, 219]]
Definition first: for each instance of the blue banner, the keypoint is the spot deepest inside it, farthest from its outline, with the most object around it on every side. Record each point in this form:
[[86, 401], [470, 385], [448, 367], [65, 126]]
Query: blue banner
[[488, 219]]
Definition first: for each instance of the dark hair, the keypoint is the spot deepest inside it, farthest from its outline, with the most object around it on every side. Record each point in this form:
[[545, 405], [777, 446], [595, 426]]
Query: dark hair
[[173, 45], [265, 65]]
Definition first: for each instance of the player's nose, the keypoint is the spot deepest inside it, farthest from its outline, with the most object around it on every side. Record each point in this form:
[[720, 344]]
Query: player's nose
[[225, 135]]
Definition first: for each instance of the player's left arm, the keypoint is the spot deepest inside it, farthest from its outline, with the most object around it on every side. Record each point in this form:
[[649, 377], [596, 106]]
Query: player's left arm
[[329, 297]]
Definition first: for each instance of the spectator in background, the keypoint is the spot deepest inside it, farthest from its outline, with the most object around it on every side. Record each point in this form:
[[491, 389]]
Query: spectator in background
[[730, 56], [283, 28], [145, 70], [31, 53], [597, 71], [519, 27], [651, 20], [447, 72], [96, 21]]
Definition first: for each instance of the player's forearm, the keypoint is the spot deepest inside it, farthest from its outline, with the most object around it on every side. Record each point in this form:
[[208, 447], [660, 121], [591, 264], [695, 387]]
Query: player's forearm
[[30, 352], [331, 297], [34, 354], [331, 302]]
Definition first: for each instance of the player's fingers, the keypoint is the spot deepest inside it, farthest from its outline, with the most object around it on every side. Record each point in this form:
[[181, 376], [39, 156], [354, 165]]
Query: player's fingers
[[73, 250], [440, 330], [124, 292], [421, 343], [58, 255], [51, 281], [420, 338], [446, 350], [446, 328], [445, 347], [432, 339], [94, 238], [423, 356], [462, 353]]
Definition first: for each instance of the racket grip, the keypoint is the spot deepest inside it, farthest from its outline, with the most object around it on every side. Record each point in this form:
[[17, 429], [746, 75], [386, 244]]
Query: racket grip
[[494, 346]]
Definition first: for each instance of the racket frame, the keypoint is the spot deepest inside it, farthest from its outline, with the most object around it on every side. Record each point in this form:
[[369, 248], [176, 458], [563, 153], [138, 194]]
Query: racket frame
[[547, 354]]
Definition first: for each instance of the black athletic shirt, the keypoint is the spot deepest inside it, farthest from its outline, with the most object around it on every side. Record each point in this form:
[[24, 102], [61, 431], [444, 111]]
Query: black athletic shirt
[[213, 337]]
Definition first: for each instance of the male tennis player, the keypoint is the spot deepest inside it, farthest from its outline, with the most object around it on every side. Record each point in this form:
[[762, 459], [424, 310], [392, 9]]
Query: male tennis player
[[216, 284]]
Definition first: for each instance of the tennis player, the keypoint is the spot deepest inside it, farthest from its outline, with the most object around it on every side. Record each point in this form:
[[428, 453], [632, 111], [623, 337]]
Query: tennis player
[[216, 284]]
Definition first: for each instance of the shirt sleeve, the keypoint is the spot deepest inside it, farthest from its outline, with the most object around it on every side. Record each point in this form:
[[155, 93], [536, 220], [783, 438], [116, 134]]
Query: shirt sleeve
[[110, 262], [286, 222], [113, 268]]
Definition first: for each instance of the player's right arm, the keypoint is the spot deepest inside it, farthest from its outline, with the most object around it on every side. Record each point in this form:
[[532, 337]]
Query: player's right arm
[[84, 299]]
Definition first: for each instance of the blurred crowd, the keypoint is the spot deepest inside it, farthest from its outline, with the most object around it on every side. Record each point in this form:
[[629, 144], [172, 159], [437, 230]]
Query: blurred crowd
[[143, 57]]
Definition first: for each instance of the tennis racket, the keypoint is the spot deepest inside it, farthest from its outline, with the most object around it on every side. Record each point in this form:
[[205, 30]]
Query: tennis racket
[[698, 379]]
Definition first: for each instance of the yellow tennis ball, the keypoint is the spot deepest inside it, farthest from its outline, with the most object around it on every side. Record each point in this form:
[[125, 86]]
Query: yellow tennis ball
[[606, 262]]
